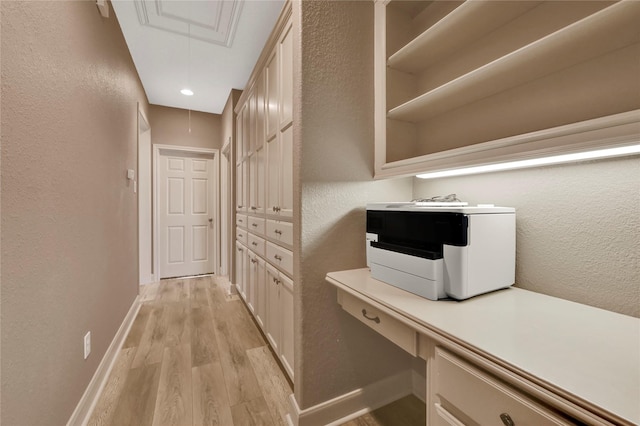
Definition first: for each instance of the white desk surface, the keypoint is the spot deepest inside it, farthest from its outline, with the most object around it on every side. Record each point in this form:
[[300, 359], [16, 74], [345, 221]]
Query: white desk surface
[[590, 353]]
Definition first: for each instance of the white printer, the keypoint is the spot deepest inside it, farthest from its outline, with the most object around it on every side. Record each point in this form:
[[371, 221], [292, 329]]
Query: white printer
[[441, 251]]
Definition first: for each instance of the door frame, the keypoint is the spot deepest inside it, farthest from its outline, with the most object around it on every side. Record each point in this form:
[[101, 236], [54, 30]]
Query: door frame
[[145, 221], [216, 200]]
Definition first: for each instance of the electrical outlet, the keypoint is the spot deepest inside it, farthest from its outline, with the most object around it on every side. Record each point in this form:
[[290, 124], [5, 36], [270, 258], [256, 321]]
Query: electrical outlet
[[87, 345]]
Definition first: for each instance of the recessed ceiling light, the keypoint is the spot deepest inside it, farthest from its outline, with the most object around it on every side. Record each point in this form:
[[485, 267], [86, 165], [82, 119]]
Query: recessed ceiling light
[[187, 92]]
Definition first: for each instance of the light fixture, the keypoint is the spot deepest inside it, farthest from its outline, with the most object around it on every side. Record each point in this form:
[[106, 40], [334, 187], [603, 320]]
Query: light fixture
[[187, 92], [521, 164]]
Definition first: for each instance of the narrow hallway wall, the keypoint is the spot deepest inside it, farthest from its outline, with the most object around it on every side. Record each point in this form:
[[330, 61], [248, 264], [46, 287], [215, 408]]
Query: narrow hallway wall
[[69, 215], [333, 169]]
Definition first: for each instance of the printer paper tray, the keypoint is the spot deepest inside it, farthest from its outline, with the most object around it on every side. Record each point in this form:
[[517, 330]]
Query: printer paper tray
[[417, 275]]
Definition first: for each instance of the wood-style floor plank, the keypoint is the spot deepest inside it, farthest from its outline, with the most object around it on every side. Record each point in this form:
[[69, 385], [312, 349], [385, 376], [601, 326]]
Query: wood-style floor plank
[[210, 401], [199, 292], [106, 406], [240, 379], [138, 326], [274, 386], [137, 401], [173, 291], [252, 413], [148, 292], [204, 345], [174, 405], [151, 348], [178, 329], [192, 357]]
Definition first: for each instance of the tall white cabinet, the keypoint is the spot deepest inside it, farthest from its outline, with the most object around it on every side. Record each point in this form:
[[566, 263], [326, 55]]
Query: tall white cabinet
[[264, 192]]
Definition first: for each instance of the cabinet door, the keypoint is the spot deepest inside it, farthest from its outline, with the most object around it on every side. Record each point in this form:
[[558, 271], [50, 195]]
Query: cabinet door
[[286, 173], [261, 293], [260, 110], [273, 175], [240, 253], [253, 182], [246, 128], [286, 320], [250, 291], [239, 136], [286, 77], [240, 206], [273, 308], [259, 178], [245, 185], [272, 95]]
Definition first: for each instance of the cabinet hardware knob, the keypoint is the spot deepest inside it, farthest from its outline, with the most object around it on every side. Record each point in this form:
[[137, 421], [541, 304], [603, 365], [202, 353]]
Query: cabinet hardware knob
[[253, 243], [276, 257], [376, 320], [254, 261], [239, 249], [506, 420], [274, 208]]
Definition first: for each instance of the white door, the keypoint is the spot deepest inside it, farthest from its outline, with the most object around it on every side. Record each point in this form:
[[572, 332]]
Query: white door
[[186, 195]]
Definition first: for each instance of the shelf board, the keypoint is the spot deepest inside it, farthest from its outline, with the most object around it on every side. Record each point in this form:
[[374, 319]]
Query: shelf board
[[610, 29], [476, 18]]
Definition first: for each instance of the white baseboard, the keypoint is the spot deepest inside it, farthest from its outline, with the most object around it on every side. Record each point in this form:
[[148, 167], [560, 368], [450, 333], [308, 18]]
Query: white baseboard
[[353, 404], [81, 414]]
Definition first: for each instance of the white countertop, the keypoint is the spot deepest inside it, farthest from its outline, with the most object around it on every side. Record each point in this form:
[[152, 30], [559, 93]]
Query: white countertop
[[590, 353]]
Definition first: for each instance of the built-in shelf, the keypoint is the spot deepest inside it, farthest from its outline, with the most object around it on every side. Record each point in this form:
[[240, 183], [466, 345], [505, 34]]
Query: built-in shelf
[[438, 41], [605, 31]]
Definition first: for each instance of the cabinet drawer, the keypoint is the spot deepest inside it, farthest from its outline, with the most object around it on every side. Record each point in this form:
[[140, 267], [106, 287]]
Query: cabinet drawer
[[241, 220], [394, 330], [256, 225], [241, 235], [280, 231], [255, 244], [280, 257], [467, 394]]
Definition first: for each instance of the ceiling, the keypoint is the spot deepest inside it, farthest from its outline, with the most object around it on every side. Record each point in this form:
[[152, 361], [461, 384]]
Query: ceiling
[[209, 46]]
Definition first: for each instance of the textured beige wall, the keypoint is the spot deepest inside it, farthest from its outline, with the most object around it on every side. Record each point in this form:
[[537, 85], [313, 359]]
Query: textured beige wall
[[578, 227], [170, 126], [69, 216], [333, 168]]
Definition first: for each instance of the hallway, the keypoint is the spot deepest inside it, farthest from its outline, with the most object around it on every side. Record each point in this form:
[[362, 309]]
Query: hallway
[[193, 356]]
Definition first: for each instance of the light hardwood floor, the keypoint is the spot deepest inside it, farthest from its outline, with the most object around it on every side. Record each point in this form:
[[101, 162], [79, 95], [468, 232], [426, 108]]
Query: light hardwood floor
[[193, 356]]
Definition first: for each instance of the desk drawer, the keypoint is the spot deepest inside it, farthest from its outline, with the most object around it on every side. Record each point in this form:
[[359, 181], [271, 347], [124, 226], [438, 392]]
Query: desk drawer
[[256, 244], [394, 330], [280, 231], [466, 394], [280, 257], [256, 225], [241, 235]]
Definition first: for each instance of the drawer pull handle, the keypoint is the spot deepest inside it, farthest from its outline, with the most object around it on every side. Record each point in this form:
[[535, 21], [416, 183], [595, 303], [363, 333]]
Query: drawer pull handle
[[374, 319], [253, 243], [277, 231], [278, 258], [255, 225], [506, 419]]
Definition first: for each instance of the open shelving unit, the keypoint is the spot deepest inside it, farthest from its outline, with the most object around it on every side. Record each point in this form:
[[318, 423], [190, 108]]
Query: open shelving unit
[[456, 75]]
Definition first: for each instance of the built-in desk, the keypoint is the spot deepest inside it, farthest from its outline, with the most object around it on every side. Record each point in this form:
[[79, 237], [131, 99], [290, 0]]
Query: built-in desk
[[576, 362]]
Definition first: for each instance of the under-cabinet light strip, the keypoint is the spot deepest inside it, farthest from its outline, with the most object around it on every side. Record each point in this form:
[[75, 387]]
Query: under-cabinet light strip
[[556, 159]]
